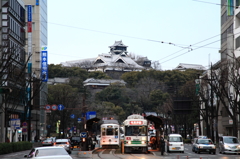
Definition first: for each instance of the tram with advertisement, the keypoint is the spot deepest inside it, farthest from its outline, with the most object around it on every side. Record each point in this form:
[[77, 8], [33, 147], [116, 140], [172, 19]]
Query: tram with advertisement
[[110, 134], [136, 134]]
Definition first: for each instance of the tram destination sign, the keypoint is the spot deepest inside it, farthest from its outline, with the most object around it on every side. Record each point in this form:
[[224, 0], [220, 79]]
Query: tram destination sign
[[136, 122]]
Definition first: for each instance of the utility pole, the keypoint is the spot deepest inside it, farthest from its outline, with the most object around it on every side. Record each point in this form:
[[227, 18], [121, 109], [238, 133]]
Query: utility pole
[[212, 109]]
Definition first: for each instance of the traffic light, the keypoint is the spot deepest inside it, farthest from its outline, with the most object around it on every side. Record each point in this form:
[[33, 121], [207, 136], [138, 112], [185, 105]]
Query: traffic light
[[5, 90]]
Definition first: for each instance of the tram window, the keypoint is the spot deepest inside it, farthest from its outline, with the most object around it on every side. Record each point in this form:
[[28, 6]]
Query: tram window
[[128, 131], [116, 131], [103, 132], [110, 131]]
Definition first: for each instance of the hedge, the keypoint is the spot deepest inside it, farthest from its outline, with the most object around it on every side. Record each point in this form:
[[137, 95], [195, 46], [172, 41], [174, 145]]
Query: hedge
[[15, 147]]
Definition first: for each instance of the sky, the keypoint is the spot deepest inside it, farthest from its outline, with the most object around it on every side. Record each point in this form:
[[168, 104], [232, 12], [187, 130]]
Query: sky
[[168, 31]]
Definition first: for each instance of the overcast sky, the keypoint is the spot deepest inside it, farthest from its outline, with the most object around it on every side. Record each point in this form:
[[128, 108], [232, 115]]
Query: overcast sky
[[168, 31]]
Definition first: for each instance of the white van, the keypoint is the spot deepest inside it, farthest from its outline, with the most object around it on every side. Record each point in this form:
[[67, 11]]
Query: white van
[[175, 143]]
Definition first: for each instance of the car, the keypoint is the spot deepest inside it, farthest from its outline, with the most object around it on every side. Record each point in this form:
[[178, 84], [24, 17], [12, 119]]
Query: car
[[48, 152], [75, 141], [65, 143], [175, 143], [205, 145], [229, 144], [47, 142]]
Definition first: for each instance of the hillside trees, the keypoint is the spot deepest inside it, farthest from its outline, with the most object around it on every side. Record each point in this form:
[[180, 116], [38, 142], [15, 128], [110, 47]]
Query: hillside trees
[[67, 96]]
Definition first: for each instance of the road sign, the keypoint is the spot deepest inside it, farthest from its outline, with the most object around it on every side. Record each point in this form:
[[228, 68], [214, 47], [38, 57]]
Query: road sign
[[47, 107], [24, 124], [24, 131], [72, 116], [15, 124], [54, 107], [79, 119], [83, 134], [60, 107], [90, 115]]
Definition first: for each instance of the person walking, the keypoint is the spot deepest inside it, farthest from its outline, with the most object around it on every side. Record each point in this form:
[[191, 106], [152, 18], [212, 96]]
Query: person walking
[[19, 137], [162, 144]]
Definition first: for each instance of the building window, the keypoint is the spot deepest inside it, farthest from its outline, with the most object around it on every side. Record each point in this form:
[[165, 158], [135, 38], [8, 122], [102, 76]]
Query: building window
[[237, 42]]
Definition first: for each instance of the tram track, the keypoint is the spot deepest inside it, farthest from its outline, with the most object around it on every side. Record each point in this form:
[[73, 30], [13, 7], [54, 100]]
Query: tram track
[[112, 152]]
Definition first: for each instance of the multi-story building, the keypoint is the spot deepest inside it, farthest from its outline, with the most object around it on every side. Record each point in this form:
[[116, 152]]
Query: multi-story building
[[12, 54], [230, 44], [36, 44]]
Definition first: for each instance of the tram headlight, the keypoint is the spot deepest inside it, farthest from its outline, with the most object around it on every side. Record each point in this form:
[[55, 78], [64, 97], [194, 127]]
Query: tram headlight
[[143, 142], [128, 142]]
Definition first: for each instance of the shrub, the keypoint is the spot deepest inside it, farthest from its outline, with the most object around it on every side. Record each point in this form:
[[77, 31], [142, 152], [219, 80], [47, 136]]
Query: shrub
[[14, 147]]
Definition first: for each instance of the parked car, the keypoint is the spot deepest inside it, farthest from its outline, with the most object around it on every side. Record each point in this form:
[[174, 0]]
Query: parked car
[[205, 145], [47, 142], [229, 144], [48, 152], [75, 141], [65, 143]]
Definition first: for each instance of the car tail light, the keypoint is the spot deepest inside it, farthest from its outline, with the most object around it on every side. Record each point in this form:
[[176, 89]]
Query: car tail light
[[54, 143], [68, 143]]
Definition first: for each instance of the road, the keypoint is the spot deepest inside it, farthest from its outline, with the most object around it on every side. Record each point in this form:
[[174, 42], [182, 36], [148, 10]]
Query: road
[[116, 154]]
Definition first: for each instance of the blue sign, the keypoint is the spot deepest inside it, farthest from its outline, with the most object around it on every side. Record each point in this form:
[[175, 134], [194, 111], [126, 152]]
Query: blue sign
[[90, 115], [79, 119], [72, 116], [60, 107], [29, 13], [44, 64], [83, 134], [37, 2]]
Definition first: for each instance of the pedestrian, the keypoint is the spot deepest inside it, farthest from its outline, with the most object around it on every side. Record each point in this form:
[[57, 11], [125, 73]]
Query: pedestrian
[[94, 141], [19, 138], [162, 144]]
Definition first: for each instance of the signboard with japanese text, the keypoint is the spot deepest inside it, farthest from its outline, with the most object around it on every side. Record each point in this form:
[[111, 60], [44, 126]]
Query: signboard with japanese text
[[44, 64]]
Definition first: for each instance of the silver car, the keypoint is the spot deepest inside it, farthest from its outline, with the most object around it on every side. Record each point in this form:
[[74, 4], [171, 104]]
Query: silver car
[[65, 143], [229, 144]]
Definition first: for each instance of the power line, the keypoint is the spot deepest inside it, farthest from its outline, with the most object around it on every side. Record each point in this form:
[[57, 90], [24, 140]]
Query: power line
[[184, 46], [190, 46], [197, 48]]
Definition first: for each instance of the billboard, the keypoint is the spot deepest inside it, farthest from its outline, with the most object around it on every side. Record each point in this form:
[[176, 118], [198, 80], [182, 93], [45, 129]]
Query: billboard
[[44, 64]]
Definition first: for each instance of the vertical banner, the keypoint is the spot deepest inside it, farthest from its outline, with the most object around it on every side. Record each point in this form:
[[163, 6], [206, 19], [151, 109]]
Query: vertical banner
[[230, 7], [44, 64]]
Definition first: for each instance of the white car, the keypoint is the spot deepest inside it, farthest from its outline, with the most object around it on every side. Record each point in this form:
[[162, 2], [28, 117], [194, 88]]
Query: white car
[[48, 152], [65, 143]]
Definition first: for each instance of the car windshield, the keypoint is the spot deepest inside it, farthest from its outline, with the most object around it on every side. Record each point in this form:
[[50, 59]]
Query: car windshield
[[61, 142], [207, 141], [175, 139], [76, 138], [50, 152], [136, 130], [231, 140]]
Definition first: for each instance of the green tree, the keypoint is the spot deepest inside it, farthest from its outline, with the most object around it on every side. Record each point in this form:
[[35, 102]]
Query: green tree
[[113, 94], [69, 97]]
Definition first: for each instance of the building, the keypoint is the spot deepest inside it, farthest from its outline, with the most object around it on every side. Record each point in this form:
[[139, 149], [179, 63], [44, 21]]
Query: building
[[114, 63], [36, 44], [12, 54], [230, 48], [184, 66]]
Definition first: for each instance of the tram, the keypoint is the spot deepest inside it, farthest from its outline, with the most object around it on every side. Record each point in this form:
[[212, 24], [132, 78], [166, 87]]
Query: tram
[[136, 134], [110, 134]]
